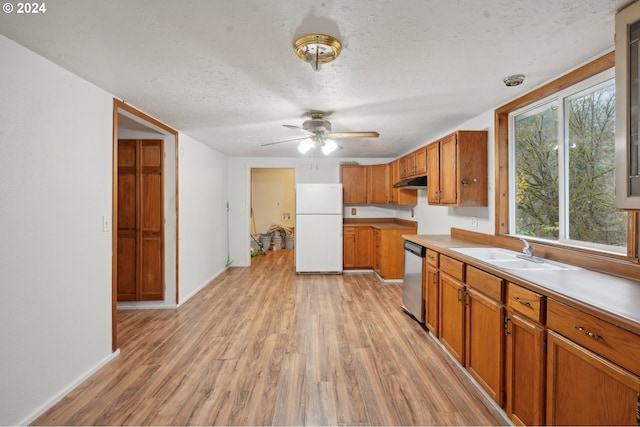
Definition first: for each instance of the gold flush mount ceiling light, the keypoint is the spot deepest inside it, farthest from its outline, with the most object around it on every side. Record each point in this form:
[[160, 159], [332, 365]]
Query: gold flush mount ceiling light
[[317, 49]]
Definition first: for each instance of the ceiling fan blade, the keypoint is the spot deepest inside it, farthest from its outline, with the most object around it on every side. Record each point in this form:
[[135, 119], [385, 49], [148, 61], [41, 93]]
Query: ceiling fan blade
[[287, 140], [353, 135], [297, 128]]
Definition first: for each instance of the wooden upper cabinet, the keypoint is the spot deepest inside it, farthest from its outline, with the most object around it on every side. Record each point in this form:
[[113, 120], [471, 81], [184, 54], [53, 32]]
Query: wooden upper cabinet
[[354, 184], [421, 161], [400, 196], [457, 170], [378, 188], [410, 161]]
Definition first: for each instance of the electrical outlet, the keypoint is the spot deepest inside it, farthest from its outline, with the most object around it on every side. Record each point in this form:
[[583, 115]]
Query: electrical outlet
[[353, 211], [474, 221]]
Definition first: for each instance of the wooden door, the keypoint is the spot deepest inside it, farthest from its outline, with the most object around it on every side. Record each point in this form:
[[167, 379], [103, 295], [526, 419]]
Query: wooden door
[[448, 171], [452, 316], [410, 162], [140, 220], [485, 342], [525, 371], [586, 389], [433, 173]]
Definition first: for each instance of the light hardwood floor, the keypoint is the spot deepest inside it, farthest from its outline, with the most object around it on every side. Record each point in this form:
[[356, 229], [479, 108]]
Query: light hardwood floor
[[263, 346]]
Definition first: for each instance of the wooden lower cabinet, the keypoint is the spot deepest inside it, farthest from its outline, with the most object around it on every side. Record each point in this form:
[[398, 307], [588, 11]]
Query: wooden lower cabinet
[[357, 247], [484, 334], [451, 332], [583, 388], [348, 247], [389, 252], [525, 370], [432, 297]]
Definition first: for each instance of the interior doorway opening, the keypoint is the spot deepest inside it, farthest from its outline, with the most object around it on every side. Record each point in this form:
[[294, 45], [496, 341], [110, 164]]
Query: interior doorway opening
[[272, 208], [130, 123]]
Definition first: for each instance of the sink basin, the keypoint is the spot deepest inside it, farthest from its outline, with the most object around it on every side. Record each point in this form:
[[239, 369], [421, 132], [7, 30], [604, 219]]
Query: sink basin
[[488, 253], [510, 260], [523, 264]]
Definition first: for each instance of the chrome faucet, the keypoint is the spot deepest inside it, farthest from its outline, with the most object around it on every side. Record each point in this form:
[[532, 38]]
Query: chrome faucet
[[527, 250]]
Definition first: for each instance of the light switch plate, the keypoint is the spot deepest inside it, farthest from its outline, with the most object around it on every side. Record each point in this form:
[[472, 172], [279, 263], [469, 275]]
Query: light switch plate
[[106, 223]]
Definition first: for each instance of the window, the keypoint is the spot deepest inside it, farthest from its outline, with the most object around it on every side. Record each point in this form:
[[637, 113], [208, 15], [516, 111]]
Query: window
[[563, 180], [505, 165]]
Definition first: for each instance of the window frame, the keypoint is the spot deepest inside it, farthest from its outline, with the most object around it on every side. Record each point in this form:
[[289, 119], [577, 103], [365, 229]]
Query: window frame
[[560, 99], [501, 149]]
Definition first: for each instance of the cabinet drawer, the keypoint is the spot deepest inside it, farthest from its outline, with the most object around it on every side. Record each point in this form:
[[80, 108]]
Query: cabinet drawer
[[452, 267], [525, 302], [432, 257], [484, 282], [616, 344], [349, 230]]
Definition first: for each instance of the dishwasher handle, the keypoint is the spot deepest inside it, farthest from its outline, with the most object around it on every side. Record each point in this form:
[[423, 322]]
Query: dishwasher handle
[[415, 248]]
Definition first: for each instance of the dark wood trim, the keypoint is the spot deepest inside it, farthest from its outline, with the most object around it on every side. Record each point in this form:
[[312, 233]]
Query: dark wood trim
[[114, 232], [501, 146]]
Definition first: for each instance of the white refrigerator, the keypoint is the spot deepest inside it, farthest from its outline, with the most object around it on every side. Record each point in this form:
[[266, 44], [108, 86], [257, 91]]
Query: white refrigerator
[[318, 229]]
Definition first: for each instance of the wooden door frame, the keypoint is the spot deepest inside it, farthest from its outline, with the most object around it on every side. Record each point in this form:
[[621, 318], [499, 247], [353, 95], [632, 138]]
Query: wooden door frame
[[118, 106]]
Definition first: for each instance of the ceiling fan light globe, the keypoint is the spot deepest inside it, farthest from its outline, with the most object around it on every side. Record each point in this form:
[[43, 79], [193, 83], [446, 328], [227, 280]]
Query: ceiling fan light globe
[[329, 146], [305, 146]]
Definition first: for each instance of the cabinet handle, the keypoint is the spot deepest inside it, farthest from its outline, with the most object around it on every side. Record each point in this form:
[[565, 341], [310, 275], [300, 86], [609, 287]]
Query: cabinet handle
[[523, 302], [435, 279], [587, 333], [459, 297], [506, 326]]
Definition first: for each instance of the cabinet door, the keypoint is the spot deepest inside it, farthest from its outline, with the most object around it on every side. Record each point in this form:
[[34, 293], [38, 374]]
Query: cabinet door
[[452, 316], [349, 247], [433, 173], [485, 342], [421, 161], [354, 184], [586, 389], [363, 247], [525, 371], [448, 171], [400, 196], [378, 184], [432, 295], [410, 161]]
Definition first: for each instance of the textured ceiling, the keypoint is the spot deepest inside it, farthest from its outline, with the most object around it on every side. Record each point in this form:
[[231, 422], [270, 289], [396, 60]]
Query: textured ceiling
[[224, 72]]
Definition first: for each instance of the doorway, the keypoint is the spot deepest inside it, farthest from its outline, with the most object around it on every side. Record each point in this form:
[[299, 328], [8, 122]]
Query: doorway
[[130, 123], [272, 201]]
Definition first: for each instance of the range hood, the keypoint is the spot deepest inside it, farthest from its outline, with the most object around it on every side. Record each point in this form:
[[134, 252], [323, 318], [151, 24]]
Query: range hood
[[416, 183]]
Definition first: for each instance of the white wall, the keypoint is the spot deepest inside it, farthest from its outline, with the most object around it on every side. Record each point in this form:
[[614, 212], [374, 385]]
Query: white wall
[[202, 216], [55, 259]]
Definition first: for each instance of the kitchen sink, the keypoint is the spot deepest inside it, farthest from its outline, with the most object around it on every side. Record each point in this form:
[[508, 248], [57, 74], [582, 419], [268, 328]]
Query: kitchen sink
[[510, 260], [488, 253]]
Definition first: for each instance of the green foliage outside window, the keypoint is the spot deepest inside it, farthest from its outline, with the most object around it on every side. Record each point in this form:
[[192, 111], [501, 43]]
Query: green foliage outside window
[[588, 142]]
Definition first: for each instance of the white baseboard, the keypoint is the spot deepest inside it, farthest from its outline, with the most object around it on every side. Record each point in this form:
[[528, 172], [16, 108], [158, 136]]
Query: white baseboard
[[201, 287], [58, 397]]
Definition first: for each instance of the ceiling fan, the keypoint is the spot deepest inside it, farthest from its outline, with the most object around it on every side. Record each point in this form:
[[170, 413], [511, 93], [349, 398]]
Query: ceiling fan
[[319, 133]]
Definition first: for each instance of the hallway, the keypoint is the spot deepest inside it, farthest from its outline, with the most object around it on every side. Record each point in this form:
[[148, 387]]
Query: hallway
[[262, 346]]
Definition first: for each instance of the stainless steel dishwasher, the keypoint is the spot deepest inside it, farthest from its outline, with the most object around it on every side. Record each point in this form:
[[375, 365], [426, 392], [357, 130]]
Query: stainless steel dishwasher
[[412, 282]]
